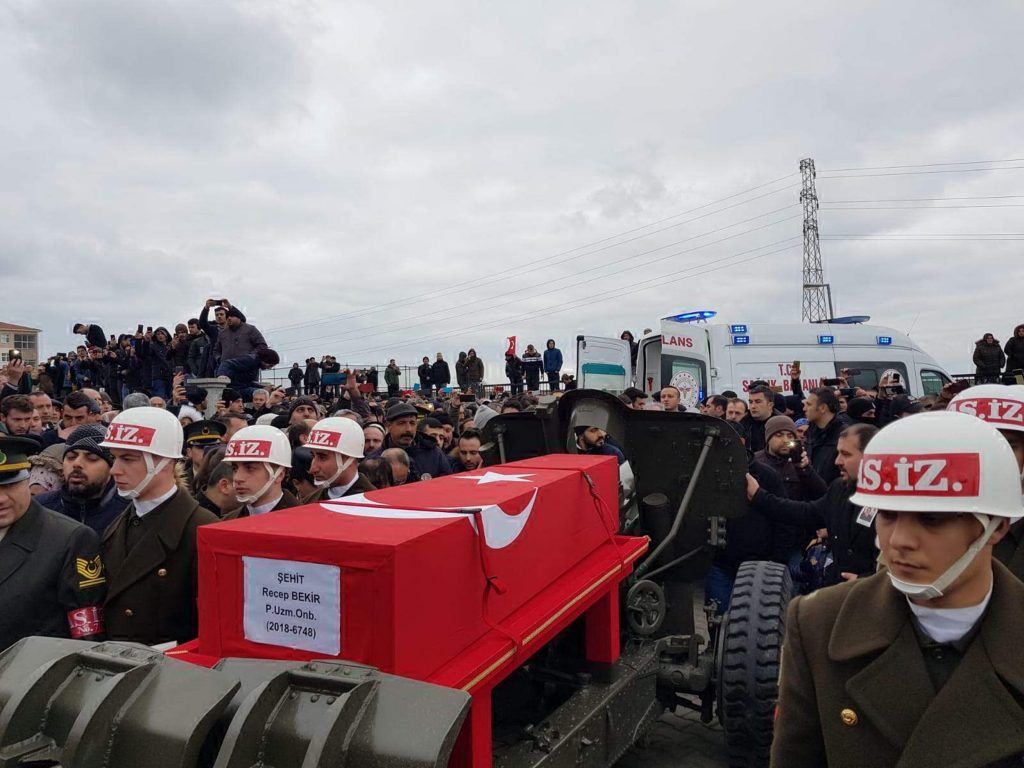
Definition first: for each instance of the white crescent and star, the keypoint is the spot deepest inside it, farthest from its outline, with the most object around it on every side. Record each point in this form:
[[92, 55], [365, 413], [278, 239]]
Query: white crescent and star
[[494, 477]]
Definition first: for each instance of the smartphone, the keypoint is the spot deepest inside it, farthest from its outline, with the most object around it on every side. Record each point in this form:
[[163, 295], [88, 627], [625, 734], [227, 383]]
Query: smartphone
[[467, 397], [178, 370], [895, 377], [138, 328], [149, 328], [851, 371], [831, 382], [15, 354]]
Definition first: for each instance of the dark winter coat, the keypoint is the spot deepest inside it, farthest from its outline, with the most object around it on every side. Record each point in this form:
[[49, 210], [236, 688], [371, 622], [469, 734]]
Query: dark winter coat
[[440, 373], [988, 359], [425, 372], [199, 363], [853, 544], [750, 537], [1014, 350], [295, 376], [514, 369], [312, 375], [157, 357], [821, 446], [392, 376], [461, 376], [474, 369], [236, 342], [800, 485], [98, 514], [425, 457]]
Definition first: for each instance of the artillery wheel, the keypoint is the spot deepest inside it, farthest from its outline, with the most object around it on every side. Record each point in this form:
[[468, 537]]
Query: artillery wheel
[[748, 661]]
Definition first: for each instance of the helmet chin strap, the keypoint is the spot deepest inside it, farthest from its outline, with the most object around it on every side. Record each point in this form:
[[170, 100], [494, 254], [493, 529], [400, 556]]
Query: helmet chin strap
[[152, 470], [272, 475], [936, 588], [341, 467]]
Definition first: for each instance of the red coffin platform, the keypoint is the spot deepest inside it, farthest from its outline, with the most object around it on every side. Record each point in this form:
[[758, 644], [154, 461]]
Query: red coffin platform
[[404, 567]]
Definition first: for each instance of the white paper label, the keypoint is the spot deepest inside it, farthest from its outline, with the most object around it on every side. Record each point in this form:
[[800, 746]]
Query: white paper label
[[293, 604], [866, 516]]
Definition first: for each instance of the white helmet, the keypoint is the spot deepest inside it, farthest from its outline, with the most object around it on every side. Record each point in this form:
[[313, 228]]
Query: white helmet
[[151, 431], [996, 404], [264, 444], [941, 462], [337, 435]]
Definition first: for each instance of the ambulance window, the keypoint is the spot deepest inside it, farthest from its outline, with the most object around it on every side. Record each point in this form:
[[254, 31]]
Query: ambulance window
[[686, 374], [932, 382]]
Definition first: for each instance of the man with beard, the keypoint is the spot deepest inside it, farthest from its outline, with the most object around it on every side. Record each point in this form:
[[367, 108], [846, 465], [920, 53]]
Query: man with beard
[[467, 454], [88, 494], [594, 441], [425, 457]]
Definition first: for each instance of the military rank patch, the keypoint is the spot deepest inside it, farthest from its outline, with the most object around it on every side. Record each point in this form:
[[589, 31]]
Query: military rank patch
[[90, 570]]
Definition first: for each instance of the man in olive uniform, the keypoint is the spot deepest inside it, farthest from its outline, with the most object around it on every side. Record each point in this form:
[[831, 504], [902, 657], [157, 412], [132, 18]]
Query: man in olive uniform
[[337, 445], [260, 455], [1003, 408], [918, 665], [150, 550], [51, 575]]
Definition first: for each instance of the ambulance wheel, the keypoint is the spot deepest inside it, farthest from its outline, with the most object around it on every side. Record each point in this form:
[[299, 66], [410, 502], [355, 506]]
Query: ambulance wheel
[[748, 664]]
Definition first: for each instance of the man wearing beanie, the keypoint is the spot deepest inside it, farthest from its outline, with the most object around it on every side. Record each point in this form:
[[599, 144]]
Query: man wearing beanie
[[784, 453], [861, 410], [237, 338], [87, 493]]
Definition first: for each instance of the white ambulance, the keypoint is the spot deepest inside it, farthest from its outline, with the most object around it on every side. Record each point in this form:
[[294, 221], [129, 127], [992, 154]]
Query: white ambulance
[[701, 358]]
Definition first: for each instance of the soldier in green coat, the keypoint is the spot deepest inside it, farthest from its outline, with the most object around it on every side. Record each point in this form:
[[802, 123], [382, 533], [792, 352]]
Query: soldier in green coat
[[920, 664]]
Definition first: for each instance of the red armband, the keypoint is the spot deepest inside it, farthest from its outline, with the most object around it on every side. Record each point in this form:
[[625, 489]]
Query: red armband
[[85, 622]]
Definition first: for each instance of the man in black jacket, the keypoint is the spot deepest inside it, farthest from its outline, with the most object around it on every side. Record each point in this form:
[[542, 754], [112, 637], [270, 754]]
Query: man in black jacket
[[761, 401], [440, 374], [426, 374], [93, 334], [88, 494], [850, 529], [822, 411], [425, 457]]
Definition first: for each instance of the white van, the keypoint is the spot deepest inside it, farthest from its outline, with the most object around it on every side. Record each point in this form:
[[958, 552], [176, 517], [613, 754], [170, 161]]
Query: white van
[[702, 359]]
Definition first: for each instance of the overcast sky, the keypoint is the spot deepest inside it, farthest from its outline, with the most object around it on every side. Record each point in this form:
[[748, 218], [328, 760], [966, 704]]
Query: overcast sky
[[314, 160]]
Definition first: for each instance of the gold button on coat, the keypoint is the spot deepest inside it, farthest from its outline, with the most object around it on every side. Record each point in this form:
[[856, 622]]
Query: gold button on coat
[[128, 612], [162, 572], [848, 716]]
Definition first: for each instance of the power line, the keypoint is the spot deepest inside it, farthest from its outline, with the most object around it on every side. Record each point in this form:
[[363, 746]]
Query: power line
[[545, 260], [918, 173], [922, 199], [402, 323], [556, 308], [925, 239], [924, 165], [921, 207]]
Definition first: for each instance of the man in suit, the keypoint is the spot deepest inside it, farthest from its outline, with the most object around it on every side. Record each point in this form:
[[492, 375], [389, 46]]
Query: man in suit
[[150, 550], [917, 665], [260, 454], [51, 575]]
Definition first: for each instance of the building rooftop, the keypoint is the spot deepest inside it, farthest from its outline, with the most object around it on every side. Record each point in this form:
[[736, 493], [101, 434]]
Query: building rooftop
[[13, 327]]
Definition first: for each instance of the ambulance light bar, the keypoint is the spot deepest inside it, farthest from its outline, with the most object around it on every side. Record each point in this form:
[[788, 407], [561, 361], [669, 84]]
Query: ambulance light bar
[[826, 339]]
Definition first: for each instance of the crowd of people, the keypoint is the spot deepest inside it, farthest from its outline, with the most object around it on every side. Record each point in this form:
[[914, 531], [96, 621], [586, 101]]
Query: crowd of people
[[109, 463]]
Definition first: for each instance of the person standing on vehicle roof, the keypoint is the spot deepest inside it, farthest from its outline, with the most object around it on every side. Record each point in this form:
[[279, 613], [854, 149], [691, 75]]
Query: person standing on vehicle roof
[[1003, 408], [919, 664], [552, 364]]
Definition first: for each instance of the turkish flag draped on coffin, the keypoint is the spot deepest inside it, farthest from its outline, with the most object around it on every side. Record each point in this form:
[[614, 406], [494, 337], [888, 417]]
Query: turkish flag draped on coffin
[[396, 578]]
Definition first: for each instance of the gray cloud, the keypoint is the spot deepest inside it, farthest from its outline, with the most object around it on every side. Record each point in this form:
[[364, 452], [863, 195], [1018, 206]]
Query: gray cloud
[[310, 160]]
